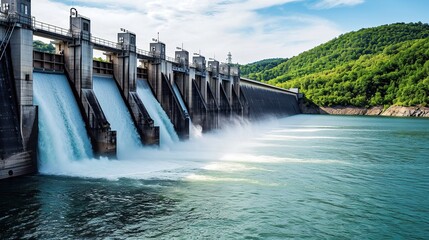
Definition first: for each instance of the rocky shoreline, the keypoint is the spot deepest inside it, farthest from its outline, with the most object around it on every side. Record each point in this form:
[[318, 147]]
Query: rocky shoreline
[[392, 111]]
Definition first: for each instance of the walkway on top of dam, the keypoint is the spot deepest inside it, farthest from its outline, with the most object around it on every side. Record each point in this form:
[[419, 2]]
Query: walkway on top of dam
[[46, 30]]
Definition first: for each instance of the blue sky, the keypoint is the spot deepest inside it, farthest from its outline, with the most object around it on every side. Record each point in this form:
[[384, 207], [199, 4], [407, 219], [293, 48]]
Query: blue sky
[[369, 13], [250, 29]]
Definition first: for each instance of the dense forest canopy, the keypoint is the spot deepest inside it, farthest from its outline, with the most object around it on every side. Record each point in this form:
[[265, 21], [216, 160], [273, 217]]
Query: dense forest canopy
[[384, 65], [253, 69]]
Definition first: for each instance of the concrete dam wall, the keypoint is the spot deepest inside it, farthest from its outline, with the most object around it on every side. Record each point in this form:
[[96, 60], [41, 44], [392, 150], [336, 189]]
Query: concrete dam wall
[[132, 99], [266, 101]]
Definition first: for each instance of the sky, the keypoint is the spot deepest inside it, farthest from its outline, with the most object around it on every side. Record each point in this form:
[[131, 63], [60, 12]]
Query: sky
[[251, 30]]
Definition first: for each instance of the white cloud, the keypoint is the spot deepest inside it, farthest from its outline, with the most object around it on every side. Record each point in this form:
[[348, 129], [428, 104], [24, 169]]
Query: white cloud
[[324, 4], [213, 26]]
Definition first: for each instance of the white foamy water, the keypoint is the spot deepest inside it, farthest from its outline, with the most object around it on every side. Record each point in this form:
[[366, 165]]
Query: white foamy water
[[112, 103], [249, 158], [229, 167], [168, 135], [63, 138]]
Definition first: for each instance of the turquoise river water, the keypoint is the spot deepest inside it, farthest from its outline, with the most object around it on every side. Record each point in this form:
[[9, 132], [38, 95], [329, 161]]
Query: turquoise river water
[[302, 177]]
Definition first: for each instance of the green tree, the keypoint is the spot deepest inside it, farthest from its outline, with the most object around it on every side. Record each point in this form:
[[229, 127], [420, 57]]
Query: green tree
[[43, 47]]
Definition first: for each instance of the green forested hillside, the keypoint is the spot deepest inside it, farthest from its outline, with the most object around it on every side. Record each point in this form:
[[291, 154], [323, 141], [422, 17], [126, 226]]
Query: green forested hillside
[[253, 70], [399, 75], [377, 66]]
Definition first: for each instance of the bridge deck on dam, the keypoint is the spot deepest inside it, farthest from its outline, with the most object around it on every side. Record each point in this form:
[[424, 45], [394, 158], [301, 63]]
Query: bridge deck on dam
[[46, 30]]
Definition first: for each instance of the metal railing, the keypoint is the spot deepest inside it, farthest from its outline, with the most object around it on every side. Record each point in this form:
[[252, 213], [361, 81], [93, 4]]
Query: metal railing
[[171, 59], [144, 53], [37, 25], [104, 42], [51, 28]]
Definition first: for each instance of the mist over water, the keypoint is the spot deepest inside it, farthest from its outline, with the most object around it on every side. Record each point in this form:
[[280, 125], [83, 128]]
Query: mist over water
[[65, 147], [176, 162]]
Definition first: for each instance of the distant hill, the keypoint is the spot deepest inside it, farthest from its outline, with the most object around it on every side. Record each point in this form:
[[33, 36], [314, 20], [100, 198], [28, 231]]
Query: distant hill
[[386, 65]]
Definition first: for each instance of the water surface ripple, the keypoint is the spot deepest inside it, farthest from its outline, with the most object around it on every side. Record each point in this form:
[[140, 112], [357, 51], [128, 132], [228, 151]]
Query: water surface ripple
[[304, 177]]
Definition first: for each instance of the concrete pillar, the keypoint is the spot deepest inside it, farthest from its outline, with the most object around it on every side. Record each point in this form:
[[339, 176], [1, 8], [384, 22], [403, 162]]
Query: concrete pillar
[[21, 46], [19, 29], [78, 55], [235, 75], [199, 62], [213, 76], [189, 87], [224, 70], [161, 78], [125, 72], [125, 63], [156, 67], [184, 75]]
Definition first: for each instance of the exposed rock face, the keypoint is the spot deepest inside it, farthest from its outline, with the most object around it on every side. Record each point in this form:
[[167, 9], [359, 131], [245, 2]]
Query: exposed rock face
[[393, 111], [374, 111], [341, 110], [398, 111]]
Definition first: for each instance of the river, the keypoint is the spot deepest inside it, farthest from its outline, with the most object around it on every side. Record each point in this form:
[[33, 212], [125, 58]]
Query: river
[[304, 177]]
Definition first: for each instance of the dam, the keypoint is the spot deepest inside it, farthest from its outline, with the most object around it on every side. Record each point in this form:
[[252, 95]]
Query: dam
[[66, 106]]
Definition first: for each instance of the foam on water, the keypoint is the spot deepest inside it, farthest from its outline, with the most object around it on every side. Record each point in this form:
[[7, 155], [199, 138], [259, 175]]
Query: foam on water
[[249, 158], [229, 167]]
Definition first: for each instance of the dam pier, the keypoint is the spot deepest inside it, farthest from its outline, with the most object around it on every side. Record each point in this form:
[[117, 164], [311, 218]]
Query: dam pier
[[189, 91]]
